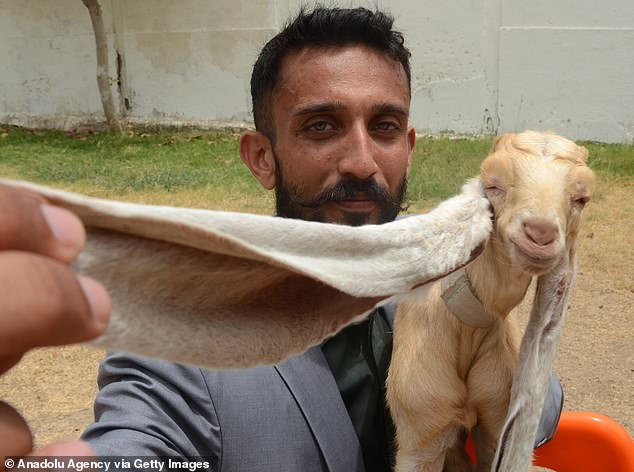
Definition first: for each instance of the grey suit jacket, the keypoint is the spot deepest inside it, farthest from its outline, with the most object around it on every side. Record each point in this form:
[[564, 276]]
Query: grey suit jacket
[[147, 407]]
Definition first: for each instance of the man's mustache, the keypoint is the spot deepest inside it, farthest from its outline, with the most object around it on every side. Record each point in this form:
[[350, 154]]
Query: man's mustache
[[345, 190]]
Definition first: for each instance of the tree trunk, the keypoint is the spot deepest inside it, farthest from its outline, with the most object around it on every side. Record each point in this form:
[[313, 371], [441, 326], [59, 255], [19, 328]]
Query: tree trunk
[[102, 64]]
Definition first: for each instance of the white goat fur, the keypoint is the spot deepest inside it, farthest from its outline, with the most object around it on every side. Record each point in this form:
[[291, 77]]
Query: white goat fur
[[447, 377]]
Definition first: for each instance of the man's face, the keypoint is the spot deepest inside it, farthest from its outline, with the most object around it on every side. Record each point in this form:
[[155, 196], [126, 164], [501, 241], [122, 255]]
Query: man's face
[[342, 144]]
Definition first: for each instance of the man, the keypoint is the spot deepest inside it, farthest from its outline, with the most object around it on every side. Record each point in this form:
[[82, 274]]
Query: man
[[331, 97]]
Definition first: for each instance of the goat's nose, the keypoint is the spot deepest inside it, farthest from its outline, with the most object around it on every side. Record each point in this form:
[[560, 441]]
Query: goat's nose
[[541, 232]]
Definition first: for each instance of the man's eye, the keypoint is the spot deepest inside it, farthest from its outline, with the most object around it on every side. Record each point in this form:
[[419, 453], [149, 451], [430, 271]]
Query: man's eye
[[320, 126], [387, 126]]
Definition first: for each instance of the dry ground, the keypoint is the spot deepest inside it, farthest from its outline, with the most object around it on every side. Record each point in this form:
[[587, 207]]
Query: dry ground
[[54, 388]]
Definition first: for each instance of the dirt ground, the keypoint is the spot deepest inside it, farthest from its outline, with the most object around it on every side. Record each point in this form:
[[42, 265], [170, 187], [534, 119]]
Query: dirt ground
[[54, 388]]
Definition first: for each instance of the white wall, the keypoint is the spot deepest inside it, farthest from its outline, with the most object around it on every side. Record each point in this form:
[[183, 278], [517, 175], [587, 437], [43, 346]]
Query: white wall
[[479, 66]]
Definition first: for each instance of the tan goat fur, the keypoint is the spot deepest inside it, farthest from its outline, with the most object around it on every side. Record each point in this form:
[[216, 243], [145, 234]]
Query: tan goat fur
[[446, 377]]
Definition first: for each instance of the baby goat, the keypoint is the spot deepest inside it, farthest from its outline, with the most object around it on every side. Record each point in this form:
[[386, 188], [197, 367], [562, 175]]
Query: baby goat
[[455, 351]]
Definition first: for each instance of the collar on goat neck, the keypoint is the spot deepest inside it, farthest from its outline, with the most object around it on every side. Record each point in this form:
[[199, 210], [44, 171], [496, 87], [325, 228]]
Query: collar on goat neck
[[460, 299]]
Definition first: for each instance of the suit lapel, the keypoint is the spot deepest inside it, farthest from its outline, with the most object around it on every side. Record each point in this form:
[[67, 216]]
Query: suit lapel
[[311, 383]]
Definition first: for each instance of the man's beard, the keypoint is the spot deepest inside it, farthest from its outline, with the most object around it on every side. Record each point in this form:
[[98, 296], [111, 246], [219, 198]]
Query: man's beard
[[289, 203]]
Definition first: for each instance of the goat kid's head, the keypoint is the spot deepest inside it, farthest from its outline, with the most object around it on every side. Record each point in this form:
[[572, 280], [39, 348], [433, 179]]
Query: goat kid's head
[[538, 184]]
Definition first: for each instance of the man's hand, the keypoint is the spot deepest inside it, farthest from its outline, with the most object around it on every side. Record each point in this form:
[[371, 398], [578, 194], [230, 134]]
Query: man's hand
[[42, 302]]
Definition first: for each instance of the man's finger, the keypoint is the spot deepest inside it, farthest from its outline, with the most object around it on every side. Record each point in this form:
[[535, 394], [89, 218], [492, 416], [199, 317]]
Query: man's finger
[[15, 434], [9, 361], [45, 304], [27, 223], [17, 440], [66, 448]]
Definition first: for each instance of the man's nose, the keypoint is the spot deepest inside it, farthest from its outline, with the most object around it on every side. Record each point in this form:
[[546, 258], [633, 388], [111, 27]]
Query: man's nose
[[358, 156]]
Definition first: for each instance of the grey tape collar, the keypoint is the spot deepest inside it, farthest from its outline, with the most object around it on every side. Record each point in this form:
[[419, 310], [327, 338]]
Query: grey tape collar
[[461, 300]]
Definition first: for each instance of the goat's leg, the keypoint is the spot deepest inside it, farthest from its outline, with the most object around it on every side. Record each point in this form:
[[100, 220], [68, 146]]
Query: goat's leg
[[485, 443], [425, 394], [414, 456], [486, 434], [490, 394], [426, 427], [457, 459], [412, 462]]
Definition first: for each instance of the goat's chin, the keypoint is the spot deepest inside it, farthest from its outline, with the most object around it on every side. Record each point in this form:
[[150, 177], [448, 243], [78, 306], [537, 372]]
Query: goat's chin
[[532, 265]]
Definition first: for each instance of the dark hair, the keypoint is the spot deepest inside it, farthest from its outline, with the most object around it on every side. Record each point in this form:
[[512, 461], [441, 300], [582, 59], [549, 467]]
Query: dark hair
[[322, 27]]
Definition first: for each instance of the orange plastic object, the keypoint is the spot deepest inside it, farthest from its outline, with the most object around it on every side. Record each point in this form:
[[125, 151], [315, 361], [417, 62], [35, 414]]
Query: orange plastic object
[[587, 442], [584, 442]]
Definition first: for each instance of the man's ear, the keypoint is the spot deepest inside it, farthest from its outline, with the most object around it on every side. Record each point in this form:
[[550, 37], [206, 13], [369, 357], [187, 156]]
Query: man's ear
[[256, 151], [411, 144]]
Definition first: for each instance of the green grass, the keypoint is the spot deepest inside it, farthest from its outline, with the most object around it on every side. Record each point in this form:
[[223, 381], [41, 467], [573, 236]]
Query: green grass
[[442, 165], [196, 168], [611, 161], [140, 162]]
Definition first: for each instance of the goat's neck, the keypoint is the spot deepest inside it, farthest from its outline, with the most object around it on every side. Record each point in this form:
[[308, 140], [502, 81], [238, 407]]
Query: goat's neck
[[499, 286]]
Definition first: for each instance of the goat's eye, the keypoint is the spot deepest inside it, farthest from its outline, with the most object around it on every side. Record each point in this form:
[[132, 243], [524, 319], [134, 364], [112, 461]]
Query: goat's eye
[[494, 191], [580, 202]]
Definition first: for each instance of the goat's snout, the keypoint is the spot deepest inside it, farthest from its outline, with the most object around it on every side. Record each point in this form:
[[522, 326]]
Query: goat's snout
[[541, 232], [538, 242]]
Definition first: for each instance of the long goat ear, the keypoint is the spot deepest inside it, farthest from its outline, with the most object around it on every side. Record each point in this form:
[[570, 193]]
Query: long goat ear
[[228, 290]]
